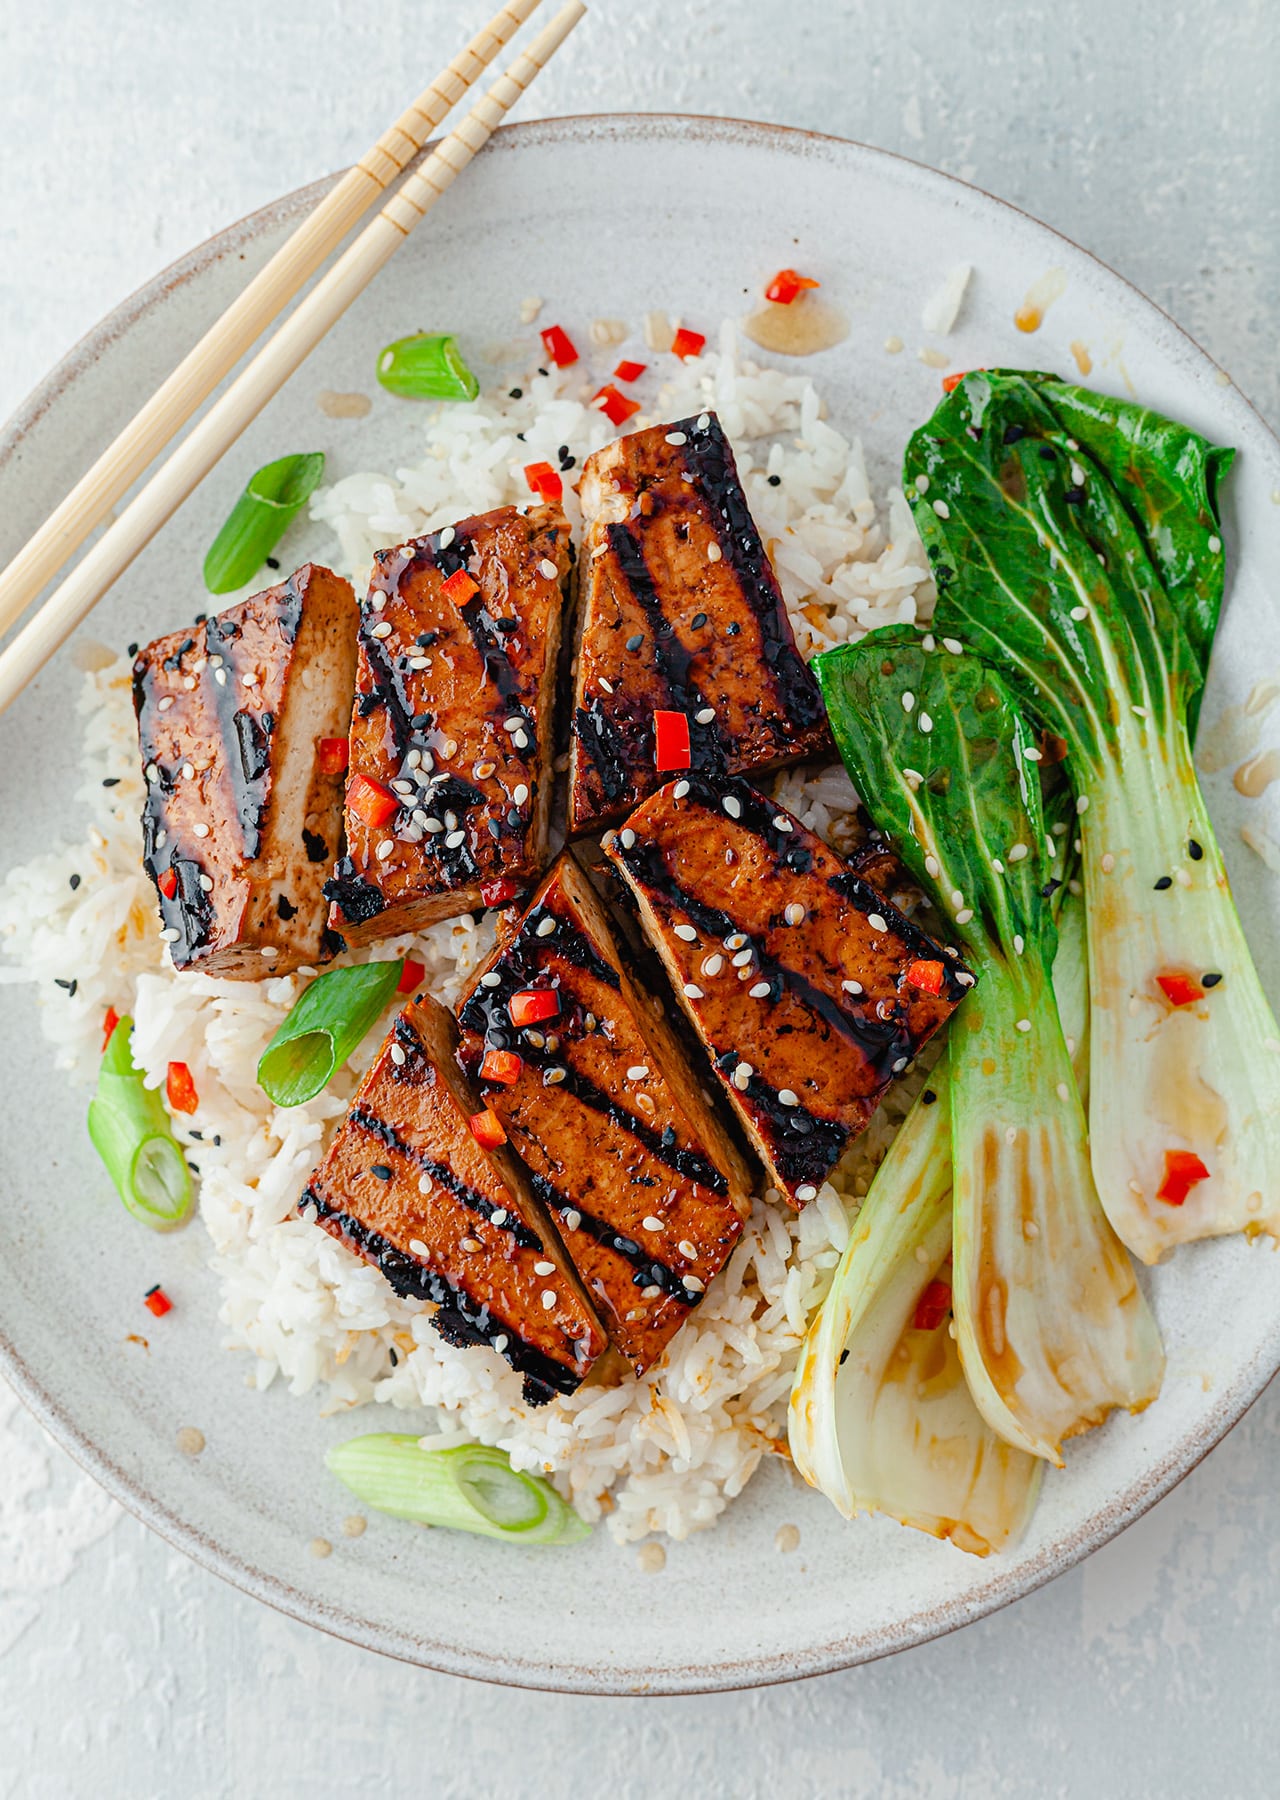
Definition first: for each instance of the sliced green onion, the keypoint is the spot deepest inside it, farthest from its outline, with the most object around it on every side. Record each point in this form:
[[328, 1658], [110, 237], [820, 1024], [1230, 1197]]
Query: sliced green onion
[[260, 518], [464, 1487], [130, 1130], [426, 368], [323, 1027]]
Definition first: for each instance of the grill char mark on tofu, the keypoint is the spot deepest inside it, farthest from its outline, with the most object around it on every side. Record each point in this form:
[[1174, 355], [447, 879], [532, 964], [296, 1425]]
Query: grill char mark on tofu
[[669, 540], [484, 685], [406, 1185], [645, 1185], [714, 866], [239, 818]]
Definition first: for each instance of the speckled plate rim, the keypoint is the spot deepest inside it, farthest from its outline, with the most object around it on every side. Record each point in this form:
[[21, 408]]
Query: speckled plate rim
[[1105, 1523]]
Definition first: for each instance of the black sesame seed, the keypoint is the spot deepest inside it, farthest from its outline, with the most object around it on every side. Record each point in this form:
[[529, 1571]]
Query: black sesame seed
[[217, 1138], [133, 649], [1194, 851], [381, 1171], [273, 562], [698, 621], [844, 1354], [201, 617], [512, 394], [928, 1097], [544, 371], [1046, 452], [775, 481], [634, 642], [111, 781], [1210, 980], [395, 1360], [732, 628], [1012, 433], [69, 985], [1165, 881], [194, 1167], [75, 882]]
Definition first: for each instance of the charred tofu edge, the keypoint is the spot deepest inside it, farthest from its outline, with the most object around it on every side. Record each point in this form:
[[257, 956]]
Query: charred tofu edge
[[957, 977]]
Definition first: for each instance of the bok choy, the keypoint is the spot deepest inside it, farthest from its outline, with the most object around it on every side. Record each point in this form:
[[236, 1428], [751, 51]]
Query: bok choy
[[1076, 543], [1052, 1327]]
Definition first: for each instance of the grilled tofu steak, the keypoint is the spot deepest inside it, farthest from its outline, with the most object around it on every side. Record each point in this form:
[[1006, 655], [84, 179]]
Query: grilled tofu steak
[[809, 990], [449, 787], [242, 821], [644, 1183], [407, 1186], [678, 611]]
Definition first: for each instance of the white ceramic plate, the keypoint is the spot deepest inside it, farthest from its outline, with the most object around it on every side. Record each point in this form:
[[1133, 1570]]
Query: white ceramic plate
[[604, 217]]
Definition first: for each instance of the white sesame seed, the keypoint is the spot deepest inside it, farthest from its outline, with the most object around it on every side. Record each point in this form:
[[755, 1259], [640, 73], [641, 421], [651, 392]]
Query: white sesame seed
[[548, 568], [742, 1075], [1215, 544], [677, 438], [1108, 863], [693, 1284], [953, 645], [546, 926], [714, 553], [649, 1293], [424, 1184], [544, 1268], [703, 421], [957, 898], [548, 1299], [553, 1077], [419, 663], [712, 965], [900, 1065], [381, 630], [165, 704], [852, 987], [807, 1192], [500, 1342], [692, 991], [733, 806], [429, 823], [470, 1245], [876, 922], [653, 1223], [491, 980], [1079, 612], [606, 684], [705, 715], [794, 914], [735, 940], [1024, 1024], [482, 770], [402, 787], [908, 701], [788, 1097], [627, 838], [922, 484], [637, 1072], [942, 509], [572, 1219], [782, 823], [446, 537], [220, 676], [1016, 852], [398, 1056], [206, 883], [926, 723], [1082, 804], [171, 934], [520, 795], [498, 1216], [385, 849], [250, 679], [686, 1248], [1019, 942], [759, 991], [679, 791], [419, 1248], [964, 978], [686, 932], [742, 958], [964, 915], [514, 723], [454, 839], [1031, 754], [201, 829]]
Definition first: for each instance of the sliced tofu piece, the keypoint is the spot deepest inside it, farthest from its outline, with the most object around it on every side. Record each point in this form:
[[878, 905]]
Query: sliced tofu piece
[[644, 1183], [452, 738], [809, 990], [680, 611], [242, 823], [406, 1185]]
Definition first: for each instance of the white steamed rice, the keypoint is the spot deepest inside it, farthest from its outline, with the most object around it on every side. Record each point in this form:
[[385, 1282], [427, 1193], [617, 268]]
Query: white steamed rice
[[661, 1454]]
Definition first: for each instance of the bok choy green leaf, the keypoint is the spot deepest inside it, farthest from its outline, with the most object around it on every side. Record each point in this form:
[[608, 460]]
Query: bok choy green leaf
[[1052, 1327], [1076, 543]]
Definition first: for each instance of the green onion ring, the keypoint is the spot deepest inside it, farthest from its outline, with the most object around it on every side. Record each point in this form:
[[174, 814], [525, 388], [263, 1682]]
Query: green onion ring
[[130, 1130], [323, 1027], [260, 518], [426, 368]]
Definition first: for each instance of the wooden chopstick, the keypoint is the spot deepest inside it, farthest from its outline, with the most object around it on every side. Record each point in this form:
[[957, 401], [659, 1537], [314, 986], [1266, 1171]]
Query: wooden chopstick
[[244, 321], [213, 435]]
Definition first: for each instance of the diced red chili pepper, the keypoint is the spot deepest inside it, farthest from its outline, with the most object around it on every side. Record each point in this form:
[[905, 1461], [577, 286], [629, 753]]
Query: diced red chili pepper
[[181, 1089], [933, 1306], [615, 406], [629, 371], [109, 1023], [1183, 1170], [1179, 990], [460, 587], [157, 1301], [411, 976], [559, 346], [687, 343], [531, 1005], [501, 1065], [372, 802], [497, 893], [487, 1130], [544, 481], [333, 755], [927, 976], [786, 284], [670, 740], [168, 883], [951, 382]]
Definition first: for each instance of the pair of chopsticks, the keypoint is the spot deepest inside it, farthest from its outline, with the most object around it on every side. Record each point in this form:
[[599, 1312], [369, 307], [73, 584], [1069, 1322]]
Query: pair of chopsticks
[[195, 378]]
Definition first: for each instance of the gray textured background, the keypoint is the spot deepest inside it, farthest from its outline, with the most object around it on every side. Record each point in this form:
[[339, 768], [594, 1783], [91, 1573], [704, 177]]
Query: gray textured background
[[1150, 134]]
